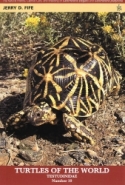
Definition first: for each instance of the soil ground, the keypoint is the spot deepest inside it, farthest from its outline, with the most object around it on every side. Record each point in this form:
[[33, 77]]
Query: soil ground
[[51, 145]]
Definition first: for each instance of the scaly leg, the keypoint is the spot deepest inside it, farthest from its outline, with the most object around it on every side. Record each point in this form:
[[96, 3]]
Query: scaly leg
[[77, 129]]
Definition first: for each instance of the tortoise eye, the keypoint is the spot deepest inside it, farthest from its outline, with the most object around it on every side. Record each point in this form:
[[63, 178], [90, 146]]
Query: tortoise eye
[[38, 114], [94, 48]]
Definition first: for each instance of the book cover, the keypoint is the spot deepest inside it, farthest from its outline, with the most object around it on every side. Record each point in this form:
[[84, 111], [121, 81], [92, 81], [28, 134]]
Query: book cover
[[62, 91]]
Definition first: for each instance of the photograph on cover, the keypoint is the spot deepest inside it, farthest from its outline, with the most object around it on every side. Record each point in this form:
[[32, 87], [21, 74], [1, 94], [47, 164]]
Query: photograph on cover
[[62, 88]]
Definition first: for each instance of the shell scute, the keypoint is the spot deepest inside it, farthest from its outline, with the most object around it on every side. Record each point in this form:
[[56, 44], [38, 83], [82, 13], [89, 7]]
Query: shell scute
[[74, 76]]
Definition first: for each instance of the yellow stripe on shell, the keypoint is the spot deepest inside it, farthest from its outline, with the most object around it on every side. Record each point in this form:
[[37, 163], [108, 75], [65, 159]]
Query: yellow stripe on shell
[[72, 106], [53, 101]]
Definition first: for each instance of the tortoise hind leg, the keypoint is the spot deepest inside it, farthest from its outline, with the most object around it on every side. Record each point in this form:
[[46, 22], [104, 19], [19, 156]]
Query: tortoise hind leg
[[77, 129]]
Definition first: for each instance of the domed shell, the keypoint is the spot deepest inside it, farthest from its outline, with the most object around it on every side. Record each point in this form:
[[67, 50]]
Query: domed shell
[[73, 76]]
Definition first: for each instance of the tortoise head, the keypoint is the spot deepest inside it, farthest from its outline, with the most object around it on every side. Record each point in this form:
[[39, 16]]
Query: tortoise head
[[40, 114]]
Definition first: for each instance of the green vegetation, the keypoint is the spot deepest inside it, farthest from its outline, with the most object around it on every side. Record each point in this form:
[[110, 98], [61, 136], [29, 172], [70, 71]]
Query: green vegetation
[[22, 34]]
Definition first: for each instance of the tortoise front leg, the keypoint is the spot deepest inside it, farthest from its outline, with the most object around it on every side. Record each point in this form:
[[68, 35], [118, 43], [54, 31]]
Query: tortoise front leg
[[77, 129]]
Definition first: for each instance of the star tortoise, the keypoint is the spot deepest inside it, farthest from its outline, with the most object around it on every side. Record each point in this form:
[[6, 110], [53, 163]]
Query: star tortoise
[[74, 76]]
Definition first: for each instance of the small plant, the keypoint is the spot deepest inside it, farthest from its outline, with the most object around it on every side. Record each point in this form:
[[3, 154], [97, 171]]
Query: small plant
[[25, 73], [108, 29], [102, 16], [32, 23], [114, 30], [39, 25]]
